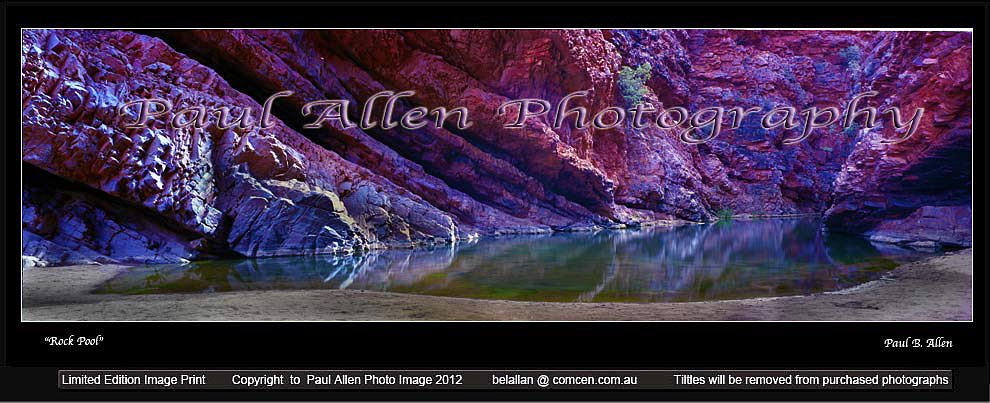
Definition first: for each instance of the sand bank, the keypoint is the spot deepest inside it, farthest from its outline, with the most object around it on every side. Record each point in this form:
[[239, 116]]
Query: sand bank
[[937, 288]]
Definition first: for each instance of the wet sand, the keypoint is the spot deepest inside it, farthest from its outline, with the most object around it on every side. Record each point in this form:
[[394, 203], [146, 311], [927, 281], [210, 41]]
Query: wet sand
[[933, 289]]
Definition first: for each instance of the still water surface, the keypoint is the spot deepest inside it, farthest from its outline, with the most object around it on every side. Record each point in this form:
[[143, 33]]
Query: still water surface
[[727, 260]]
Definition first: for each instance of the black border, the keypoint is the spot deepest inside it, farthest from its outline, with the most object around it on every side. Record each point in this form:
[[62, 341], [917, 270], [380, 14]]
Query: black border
[[28, 371]]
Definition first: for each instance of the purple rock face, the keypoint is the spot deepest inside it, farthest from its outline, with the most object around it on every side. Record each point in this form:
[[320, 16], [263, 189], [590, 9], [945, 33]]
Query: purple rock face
[[98, 191]]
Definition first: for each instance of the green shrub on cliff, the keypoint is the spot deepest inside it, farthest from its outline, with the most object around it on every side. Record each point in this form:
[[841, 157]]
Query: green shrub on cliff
[[632, 83], [725, 214]]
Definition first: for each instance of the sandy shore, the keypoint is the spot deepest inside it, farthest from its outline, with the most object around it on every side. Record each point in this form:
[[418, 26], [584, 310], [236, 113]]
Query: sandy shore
[[938, 288]]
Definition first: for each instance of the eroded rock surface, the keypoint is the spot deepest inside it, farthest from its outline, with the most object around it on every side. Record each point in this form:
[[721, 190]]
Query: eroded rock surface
[[259, 192]]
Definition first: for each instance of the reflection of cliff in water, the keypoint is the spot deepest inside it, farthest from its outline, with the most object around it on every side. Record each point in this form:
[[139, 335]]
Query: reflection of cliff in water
[[375, 270], [735, 259]]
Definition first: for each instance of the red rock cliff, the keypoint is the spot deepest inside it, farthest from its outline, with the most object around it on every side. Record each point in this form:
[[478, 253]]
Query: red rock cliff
[[98, 191]]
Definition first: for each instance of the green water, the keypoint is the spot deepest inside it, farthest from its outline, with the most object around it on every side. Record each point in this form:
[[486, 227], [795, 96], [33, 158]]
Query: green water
[[728, 260]]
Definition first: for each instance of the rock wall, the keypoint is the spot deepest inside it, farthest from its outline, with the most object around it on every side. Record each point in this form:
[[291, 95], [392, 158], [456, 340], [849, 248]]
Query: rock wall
[[918, 190], [253, 192], [195, 193]]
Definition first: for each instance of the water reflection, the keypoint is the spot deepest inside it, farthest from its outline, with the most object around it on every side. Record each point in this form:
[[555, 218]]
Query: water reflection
[[739, 259]]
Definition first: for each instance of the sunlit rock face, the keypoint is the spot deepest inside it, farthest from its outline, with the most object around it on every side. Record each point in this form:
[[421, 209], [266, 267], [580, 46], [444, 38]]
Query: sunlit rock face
[[288, 190]]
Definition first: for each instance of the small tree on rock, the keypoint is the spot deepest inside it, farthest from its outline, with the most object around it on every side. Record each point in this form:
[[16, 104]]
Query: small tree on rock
[[632, 83]]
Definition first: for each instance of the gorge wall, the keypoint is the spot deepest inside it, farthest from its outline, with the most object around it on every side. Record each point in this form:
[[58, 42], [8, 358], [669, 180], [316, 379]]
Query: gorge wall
[[95, 191]]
